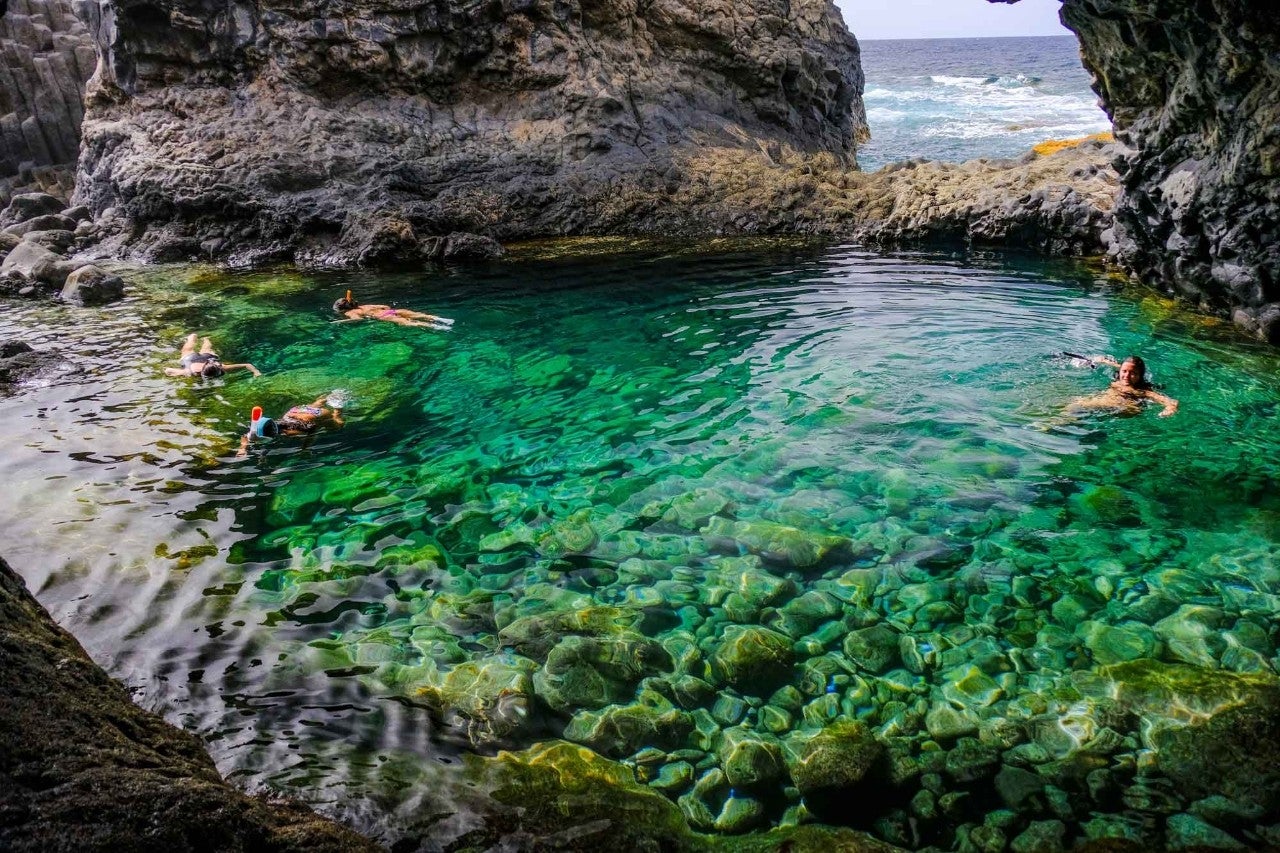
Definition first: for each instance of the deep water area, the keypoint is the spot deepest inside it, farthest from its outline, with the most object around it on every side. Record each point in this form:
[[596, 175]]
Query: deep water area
[[960, 99], [779, 527]]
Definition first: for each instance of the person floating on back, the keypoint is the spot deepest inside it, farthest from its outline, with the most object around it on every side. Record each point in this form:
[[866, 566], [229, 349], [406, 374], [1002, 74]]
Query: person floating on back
[[349, 308], [305, 421], [1129, 390], [205, 363]]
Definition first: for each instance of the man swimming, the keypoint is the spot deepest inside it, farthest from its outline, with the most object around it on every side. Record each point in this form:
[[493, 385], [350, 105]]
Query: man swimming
[[1129, 390], [348, 307], [304, 421], [205, 363]]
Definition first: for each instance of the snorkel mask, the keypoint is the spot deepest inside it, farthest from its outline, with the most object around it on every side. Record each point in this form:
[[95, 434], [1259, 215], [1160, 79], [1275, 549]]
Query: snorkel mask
[[346, 303], [261, 427]]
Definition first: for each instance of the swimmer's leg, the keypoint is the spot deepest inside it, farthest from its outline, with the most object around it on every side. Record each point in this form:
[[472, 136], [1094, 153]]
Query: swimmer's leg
[[206, 345], [189, 346]]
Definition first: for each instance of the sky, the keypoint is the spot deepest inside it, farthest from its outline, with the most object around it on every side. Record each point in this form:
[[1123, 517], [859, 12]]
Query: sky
[[921, 19]]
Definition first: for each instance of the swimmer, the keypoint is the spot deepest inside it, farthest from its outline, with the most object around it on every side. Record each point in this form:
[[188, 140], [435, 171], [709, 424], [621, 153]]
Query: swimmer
[[303, 421], [205, 363], [351, 309], [1128, 391]]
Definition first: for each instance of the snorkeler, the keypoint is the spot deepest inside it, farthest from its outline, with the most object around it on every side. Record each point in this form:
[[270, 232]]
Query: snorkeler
[[305, 421], [353, 310], [205, 363], [1129, 389]]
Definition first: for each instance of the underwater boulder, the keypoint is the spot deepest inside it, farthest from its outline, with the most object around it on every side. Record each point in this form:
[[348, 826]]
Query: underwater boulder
[[837, 759], [535, 635], [779, 544], [748, 758], [591, 672], [621, 730], [488, 701], [751, 659]]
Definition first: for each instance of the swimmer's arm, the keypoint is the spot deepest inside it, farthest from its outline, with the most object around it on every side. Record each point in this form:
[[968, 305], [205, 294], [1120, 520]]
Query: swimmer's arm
[[1105, 359], [244, 446], [249, 367], [1170, 404], [175, 371]]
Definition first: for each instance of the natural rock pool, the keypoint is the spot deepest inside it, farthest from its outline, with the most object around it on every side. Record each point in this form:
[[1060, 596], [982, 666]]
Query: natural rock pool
[[796, 534]]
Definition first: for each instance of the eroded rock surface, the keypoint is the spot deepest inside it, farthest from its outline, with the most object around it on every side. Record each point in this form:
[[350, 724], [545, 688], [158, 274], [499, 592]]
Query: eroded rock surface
[[46, 56], [1194, 90], [83, 768], [285, 131]]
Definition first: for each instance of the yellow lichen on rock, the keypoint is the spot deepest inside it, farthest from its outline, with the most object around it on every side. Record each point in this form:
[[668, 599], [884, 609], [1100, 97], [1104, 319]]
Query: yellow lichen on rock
[[1053, 146]]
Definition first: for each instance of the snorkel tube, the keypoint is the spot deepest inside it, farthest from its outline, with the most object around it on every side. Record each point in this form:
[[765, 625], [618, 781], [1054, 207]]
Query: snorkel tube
[[260, 427]]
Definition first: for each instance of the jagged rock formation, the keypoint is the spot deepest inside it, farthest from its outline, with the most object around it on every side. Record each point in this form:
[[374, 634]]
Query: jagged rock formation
[[83, 768], [285, 130], [46, 56], [1194, 90]]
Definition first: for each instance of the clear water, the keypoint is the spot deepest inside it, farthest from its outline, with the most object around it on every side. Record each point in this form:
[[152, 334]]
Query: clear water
[[587, 436], [960, 99]]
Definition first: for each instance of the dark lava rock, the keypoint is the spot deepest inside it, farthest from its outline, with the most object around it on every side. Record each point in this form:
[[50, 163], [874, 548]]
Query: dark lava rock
[[19, 362], [83, 768], [27, 206], [1194, 92], [90, 285], [277, 126]]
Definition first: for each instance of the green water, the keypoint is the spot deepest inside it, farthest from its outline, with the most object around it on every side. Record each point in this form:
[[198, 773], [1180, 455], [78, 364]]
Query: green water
[[588, 497]]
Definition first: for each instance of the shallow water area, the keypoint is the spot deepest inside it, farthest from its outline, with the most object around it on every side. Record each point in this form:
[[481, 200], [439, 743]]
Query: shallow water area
[[689, 509]]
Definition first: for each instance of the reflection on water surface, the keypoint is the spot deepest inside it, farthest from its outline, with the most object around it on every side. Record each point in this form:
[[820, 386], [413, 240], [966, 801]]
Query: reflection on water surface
[[696, 512]]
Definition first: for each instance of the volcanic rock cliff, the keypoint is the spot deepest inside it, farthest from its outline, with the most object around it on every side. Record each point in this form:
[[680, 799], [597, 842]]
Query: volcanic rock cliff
[[349, 131], [1194, 90], [45, 58]]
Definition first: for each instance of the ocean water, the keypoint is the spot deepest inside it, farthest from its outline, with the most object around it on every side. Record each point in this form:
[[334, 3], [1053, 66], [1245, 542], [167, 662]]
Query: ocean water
[[959, 99], [582, 512]]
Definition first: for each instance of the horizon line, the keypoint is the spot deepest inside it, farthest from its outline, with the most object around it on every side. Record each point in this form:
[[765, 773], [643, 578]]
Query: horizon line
[[1066, 34]]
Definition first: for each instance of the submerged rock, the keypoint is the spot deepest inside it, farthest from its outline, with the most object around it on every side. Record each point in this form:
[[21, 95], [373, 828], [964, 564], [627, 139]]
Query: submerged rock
[[835, 759], [778, 543], [752, 659], [591, 672]]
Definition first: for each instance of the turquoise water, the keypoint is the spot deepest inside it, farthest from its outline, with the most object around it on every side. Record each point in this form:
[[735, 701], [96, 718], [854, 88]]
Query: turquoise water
[[642, 499], [960, 99]]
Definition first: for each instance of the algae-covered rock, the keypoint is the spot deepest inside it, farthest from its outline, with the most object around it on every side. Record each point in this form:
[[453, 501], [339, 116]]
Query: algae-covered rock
[[837, 758], [748, 758], [1235, 753], [621, 730], [778, 543], [752, 659], [488, 700], [739, 814], [1185, 832], [537, 634], [1111, 644], [1193, 635], [591, 672], [874, 649], [1182, 693], [554, 786]]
